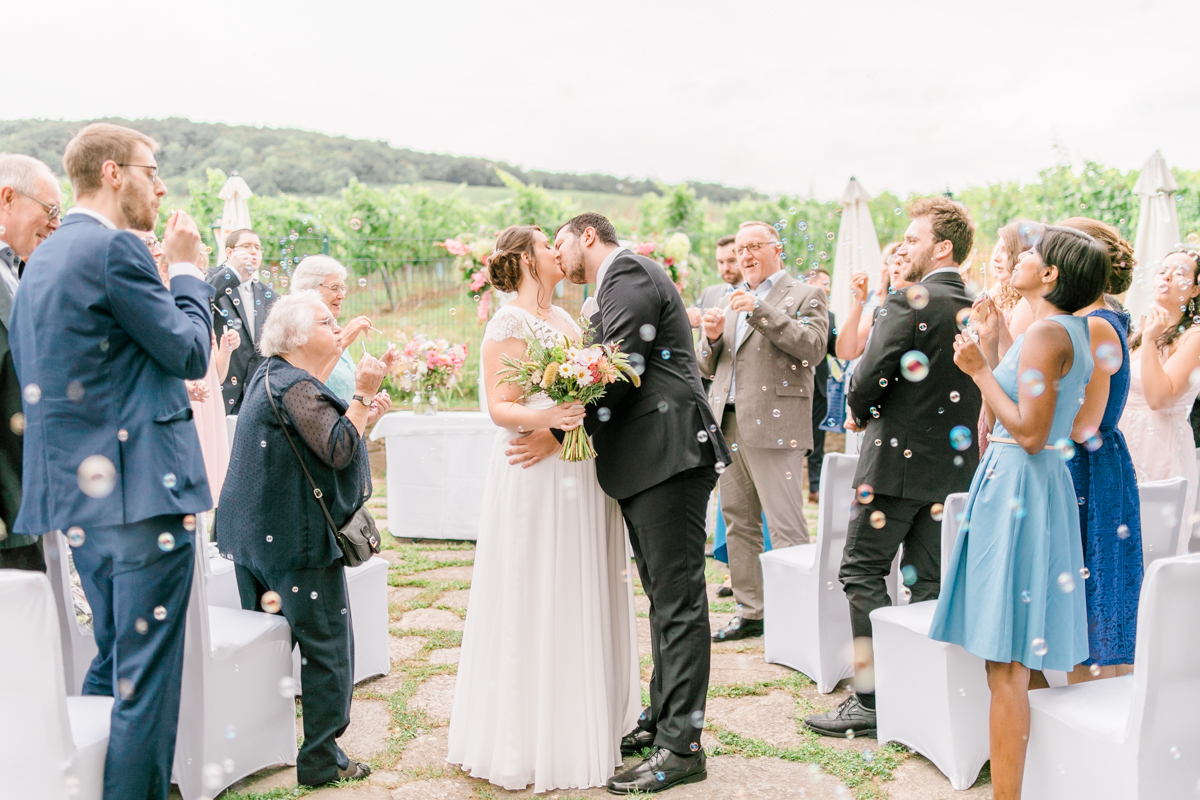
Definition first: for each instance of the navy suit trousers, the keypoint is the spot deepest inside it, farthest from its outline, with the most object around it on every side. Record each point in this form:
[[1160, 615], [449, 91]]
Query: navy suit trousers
[[137, 582]]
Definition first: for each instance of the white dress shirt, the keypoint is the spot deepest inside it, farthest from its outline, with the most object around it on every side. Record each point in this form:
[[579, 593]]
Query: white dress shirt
[[743, 322], [590, 306], [7, 274]]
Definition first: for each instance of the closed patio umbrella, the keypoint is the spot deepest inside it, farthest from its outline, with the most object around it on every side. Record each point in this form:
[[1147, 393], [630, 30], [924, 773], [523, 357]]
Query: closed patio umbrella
[[236, 214], [857, 248], [1157, 233]]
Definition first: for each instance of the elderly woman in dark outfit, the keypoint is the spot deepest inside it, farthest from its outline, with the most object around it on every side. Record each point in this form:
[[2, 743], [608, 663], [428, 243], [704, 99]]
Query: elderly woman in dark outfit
[[272, 526]]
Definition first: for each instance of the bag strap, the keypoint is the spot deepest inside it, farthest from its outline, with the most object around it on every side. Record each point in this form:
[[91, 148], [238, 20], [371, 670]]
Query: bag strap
[[316, 491]]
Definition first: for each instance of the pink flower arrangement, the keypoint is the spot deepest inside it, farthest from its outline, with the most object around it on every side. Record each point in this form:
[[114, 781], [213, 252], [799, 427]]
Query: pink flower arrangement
[[428, 365], [456, 247], [646, 248]]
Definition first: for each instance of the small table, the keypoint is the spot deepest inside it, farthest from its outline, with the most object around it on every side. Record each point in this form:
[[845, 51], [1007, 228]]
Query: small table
[[436, 469]]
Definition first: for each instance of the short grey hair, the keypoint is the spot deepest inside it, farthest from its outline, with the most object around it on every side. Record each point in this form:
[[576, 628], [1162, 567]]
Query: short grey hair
[[22, 173], [312, 271], [289, 323]]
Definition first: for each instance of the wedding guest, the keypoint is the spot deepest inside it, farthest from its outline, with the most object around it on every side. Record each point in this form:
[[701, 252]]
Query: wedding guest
[[1110, 514], [111, 455], [823, 281], [865, 304], [543, 631], [328, 278], [30, 210], [1003, 297], [1161, 388], [731, 275], [268, 521], [909, 397], [207, 409], [242, 303], [1011, 596], [772, 338]]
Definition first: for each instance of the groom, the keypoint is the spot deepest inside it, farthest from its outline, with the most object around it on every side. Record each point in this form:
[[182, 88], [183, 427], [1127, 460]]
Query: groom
[[659, 452]]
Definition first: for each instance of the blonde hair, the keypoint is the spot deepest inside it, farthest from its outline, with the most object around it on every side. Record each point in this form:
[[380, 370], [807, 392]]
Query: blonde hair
[[92, 147]]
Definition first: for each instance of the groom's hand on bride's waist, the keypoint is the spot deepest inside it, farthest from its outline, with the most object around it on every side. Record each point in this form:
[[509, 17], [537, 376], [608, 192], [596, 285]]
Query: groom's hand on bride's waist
[[530, 448]]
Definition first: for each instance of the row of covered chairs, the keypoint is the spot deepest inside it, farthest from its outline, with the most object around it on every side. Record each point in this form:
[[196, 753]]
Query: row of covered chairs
[[933, 696]]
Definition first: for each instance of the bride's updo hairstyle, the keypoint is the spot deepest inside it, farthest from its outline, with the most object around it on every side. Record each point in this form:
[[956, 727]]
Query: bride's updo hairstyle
[[504, 264]]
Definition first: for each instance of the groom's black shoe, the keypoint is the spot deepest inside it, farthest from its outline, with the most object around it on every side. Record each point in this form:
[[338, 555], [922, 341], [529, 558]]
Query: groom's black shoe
[[662, 770], [739, 628], [636, 742]]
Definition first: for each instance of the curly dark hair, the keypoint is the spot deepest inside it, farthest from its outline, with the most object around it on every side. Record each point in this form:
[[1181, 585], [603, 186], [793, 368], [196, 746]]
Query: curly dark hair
[[1120, 251]]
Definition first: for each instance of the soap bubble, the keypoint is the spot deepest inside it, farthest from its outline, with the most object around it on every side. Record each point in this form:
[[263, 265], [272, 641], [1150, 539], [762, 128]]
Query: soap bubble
[[355, 224], [16, 423], [877, 519], [1108, 355], [32, 394], [166, 541], [1122, 531], [918, 297], [1094, 669], [287, 686], [169, 480], [1030, 234], [914, 366], [212, 776], [125, 688], [1066, 584], [1039, 647], [141, 626], [936, 510], [696, 718], [362, 282], [864, 494], [160, 613], [1033, 383], [909, 574], [97, 476], [603, 414], [719, 467], [1092, 440], [647, 332], [1065, 448], [1085, 573], [963, 318], [189, 522], [1026, 597], [271, 602], [701, 436], [75, 536], [955, 397], [960, 437]]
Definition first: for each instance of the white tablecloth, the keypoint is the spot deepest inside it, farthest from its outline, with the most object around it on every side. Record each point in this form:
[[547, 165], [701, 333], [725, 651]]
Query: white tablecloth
[[436, 468]]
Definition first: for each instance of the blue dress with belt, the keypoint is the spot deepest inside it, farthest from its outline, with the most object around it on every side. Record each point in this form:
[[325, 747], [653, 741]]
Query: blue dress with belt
[[1110, 518], [1014, 589]]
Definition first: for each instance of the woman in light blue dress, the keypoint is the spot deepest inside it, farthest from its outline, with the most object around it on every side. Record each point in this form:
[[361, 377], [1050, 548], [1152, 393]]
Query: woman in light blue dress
[[1013, 593], [327, 276]]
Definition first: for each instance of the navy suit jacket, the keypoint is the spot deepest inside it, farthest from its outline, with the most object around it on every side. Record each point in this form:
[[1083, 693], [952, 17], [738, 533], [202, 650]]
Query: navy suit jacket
[[108, 347]]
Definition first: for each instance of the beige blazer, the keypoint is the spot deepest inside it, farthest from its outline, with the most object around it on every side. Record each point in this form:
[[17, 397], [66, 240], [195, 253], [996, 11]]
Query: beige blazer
[[784, 342]]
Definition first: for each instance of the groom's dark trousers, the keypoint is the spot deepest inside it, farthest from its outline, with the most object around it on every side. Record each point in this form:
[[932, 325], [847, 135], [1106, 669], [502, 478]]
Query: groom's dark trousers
[[658, 446]]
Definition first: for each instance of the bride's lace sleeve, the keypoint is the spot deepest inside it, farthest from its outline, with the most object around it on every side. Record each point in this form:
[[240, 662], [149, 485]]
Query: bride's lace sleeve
[[505, 325]]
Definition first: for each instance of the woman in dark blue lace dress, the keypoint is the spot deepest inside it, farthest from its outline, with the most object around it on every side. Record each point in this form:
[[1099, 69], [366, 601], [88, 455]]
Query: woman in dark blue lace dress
[[1109, 510]]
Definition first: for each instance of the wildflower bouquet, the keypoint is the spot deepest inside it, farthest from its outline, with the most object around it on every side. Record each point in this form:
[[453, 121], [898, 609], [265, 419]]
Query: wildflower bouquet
[[569, 373]]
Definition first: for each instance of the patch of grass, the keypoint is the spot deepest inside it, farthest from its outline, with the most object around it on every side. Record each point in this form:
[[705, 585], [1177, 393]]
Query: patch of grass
[[722, 607], [426, 772], [278, 793], [714, 571], [793, 683], [414, 559]]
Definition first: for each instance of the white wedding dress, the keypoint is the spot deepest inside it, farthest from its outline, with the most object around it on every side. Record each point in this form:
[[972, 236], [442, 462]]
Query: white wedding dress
[[548, 678]]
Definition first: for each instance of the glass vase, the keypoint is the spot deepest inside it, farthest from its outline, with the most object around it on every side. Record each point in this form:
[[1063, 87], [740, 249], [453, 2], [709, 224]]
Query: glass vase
[[424, 405]]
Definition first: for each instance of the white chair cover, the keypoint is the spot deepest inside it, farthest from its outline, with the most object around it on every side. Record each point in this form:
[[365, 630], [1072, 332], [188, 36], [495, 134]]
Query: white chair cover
[[230, 427], [237, 714], [78, 643], [806, 616], [930, 695], [51, 746], [1136, 736], [366, 586], [1162, 515]]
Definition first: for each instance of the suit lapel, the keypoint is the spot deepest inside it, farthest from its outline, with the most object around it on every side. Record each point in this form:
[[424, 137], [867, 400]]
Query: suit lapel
[[773, 297]]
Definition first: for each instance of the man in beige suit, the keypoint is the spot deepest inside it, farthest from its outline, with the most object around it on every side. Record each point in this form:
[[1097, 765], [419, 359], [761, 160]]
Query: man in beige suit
[[761, 348]]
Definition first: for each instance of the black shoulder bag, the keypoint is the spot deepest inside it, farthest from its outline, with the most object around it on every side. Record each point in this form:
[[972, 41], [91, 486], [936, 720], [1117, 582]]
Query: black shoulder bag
[[358, 538]]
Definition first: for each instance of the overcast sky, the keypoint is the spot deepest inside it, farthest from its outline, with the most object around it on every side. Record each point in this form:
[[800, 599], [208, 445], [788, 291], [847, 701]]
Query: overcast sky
[[787, 95]]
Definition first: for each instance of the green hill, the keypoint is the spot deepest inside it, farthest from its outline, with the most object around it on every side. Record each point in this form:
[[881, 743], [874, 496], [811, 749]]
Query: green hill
[[291, 161]]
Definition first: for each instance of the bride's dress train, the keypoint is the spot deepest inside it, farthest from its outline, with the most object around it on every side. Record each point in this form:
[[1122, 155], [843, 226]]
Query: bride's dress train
[[548, 678]]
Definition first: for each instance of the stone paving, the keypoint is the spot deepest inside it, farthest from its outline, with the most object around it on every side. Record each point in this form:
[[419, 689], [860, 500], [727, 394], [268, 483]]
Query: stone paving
[[756, 745]]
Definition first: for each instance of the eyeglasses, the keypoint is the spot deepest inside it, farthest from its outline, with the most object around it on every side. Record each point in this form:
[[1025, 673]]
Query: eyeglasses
[[253, 248], [153, 170], [150, 241], [328, 322], [53, 212], [753, 247], [336, 288]]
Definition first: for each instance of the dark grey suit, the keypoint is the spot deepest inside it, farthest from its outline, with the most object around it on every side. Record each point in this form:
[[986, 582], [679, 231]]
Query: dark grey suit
[[229, 311], [17, 551]]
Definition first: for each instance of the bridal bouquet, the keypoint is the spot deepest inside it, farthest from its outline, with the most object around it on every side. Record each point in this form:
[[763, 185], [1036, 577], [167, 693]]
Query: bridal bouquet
[[569, 373]]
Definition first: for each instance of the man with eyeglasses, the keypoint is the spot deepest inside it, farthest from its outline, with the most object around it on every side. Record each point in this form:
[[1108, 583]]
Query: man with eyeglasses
[[30, 210], [241, 303], [761, 346]]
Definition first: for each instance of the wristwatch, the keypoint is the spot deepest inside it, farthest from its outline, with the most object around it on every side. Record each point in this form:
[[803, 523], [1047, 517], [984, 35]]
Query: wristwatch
[[362, 400]]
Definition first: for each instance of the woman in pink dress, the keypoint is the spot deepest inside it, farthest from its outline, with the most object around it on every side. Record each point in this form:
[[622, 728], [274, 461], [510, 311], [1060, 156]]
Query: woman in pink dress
[[1162, 385], [205, 394]]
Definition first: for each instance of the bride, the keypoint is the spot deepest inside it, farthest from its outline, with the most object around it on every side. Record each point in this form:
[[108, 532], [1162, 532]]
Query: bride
[[548, 677]]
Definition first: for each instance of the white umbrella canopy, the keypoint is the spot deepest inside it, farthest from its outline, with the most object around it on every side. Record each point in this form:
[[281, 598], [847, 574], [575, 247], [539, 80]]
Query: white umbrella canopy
[[857, 248], [1158, 231], [236, 214]]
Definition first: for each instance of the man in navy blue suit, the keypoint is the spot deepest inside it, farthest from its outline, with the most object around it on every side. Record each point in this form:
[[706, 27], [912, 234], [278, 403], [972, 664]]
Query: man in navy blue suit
[[111, 454]]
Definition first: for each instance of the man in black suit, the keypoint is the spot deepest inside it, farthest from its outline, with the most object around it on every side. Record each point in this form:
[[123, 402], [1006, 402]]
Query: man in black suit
[[30, 210], [242, 304], [907, 395], [659, 451]]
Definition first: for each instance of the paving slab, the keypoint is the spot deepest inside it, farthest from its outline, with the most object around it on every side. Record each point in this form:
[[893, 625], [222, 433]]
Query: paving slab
[[392, 556], [435, 618], [402, 594], [436, 789], [370, 721], [918, 779], [727, 668], [458, 598], [770, 717], [449, 555], [435, 697], [405, 648], [446, 655], [359, 791], [446, 574], [427, 751]]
